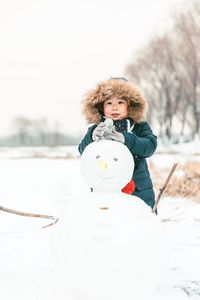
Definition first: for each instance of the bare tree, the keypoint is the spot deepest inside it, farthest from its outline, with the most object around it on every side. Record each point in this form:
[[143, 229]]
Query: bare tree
[[159, 81], [187, 31], [168, 72], [21, 126]]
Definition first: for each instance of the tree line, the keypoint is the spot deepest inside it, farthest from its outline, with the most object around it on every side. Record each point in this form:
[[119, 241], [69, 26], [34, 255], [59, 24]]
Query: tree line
[[36, 132], [168, 72]]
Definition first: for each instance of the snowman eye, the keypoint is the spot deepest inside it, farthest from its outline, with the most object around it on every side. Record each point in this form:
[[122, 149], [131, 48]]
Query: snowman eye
[[115, 159], [98, 156]]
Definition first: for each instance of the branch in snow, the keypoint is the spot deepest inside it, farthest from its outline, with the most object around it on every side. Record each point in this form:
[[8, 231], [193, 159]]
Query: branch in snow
[[25, 214]]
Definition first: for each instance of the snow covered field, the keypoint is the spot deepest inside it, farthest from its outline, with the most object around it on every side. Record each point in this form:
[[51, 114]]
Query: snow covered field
[[29, 255]]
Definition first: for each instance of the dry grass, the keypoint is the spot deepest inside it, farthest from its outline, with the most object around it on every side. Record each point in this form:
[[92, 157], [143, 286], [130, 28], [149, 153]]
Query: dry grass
[[185, 181]]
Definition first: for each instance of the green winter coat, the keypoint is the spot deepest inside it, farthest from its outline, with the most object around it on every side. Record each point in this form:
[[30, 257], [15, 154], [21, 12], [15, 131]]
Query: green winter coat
[[140, 141]]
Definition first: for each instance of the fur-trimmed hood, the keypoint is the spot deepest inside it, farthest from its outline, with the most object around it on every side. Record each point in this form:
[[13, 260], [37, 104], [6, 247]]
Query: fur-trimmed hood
[[93, 101]]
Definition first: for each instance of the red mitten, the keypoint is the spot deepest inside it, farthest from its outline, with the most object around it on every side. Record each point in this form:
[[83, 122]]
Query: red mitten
[[129, 188]]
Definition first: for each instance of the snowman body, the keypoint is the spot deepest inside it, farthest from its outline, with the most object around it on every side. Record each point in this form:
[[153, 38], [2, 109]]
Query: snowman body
[[112, 240]]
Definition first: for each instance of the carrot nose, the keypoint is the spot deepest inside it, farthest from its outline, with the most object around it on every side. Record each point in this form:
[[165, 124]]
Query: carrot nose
[[103, 165]]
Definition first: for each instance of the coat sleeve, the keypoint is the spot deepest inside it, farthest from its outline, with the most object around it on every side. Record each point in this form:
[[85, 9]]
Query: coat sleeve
[[86, 140], [142, 145]]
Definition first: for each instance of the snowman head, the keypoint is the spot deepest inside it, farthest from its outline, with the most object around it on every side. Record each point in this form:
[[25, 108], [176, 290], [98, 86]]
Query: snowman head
[[107, 165]]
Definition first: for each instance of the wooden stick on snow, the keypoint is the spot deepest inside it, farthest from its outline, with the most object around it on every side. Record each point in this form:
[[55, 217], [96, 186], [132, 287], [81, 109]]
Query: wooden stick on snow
[[25, 214], [164, 187]]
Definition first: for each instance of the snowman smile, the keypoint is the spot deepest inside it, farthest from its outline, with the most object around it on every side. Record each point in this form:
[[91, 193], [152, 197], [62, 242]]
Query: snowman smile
[[104, 178]]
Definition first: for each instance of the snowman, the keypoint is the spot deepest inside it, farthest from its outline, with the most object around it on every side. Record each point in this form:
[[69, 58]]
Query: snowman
[[112, 239], [107, 166]]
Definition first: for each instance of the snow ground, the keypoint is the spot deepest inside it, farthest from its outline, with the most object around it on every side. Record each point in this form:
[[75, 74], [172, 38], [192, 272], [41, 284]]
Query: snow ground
[[29, 254]]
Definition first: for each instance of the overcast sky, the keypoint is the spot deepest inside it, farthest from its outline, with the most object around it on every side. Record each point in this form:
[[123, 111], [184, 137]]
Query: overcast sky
[[53, 51]]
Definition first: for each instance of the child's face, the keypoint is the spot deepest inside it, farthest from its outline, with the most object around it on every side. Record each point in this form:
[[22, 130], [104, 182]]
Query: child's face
[[115, 108]]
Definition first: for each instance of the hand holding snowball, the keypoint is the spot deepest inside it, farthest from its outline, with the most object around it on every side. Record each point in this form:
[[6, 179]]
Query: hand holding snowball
[[98, 132], [106, 131], [116, 136], [103, 130]]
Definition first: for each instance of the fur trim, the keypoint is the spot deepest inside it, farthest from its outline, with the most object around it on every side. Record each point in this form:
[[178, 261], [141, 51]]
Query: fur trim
[[93, 101]]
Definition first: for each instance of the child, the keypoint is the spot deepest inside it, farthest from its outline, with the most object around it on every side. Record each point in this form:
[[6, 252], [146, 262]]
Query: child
[[121, 101]]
